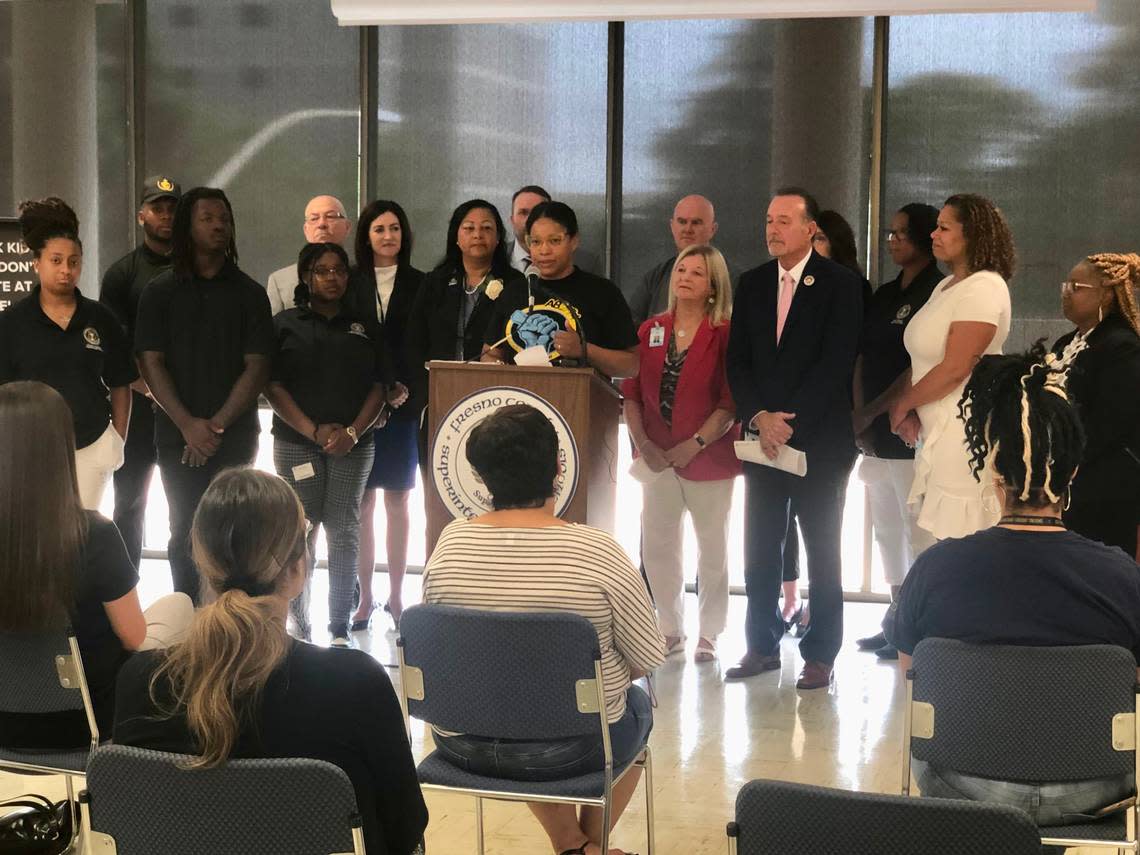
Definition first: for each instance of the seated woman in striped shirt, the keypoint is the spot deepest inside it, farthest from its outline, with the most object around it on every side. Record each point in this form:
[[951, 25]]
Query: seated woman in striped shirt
[[581, 570]]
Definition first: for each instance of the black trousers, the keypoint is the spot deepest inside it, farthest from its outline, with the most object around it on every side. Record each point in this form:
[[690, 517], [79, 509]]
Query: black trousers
[[184, 486], [1112, 523], [132, 479], [816, 500]]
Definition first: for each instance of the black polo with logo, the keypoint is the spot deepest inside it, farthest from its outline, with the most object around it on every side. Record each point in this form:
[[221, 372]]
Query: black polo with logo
[[204, 328], [328, 366], [83, 362]]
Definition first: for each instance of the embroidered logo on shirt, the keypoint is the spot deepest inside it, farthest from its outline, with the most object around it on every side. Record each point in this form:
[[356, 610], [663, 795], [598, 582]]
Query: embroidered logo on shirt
[[356, 328], [902, 314], [91, 336]]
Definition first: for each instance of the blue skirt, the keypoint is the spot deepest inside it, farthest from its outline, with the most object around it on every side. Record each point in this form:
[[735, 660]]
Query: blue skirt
[[397, 455]]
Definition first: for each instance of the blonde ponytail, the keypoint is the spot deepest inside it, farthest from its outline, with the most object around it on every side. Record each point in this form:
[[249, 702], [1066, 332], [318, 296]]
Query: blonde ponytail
[[248, 538]]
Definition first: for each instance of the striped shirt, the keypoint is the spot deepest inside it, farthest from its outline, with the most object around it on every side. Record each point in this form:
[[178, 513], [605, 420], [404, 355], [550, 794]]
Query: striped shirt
[[558, 568]]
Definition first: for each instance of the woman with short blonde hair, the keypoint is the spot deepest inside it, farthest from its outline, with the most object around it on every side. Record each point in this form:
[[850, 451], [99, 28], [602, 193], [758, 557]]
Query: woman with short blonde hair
[[681, 417]]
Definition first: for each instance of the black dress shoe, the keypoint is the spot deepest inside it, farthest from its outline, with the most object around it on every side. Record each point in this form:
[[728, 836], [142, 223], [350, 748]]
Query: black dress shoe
[[794, 621], [887, 651], [873, 642], [362, 625], [751, 665]]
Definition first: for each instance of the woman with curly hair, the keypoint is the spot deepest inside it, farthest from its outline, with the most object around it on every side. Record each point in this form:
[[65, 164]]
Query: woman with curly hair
[[1099, 297], [966, 317], [1025, 438]]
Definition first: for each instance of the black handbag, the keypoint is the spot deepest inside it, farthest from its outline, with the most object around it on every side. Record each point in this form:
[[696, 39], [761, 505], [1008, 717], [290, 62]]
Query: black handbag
[[34, 825]]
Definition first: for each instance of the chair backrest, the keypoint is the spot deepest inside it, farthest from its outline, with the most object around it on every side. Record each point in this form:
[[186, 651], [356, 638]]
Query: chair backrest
[[149, 802], [511, 675], [1029, 714], [780, 818], [33, 671]]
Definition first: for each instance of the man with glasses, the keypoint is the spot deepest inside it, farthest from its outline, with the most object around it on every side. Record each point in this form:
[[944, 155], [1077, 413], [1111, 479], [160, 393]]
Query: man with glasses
[[693, 222], [325, 222]]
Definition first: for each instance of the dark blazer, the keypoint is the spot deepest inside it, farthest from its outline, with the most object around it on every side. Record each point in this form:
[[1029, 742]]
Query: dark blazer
[[809, 373], [433, 322], [701, 388], [1104, 384], [362, 298]]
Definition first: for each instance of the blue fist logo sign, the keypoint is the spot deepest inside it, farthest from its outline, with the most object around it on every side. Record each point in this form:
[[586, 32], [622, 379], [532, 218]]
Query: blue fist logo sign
[[534, 329]]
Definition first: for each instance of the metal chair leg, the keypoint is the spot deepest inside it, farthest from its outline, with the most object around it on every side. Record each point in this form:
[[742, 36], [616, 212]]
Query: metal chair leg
[[479, 824], [648, 784]]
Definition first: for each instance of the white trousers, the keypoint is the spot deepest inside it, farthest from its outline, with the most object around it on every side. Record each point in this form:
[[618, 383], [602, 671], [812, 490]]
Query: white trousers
[[662, 532], [167, 620], [895, 523], [95, 464]]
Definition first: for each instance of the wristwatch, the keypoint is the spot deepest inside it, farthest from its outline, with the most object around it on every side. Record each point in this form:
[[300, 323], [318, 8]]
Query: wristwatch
[[351, 431], [700, 440]]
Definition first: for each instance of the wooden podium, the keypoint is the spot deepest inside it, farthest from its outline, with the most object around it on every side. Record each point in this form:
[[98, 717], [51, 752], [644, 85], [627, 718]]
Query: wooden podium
[[589, 407]]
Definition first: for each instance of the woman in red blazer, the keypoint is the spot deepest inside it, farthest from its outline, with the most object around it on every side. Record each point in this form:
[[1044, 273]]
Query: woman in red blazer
[[681, 416]]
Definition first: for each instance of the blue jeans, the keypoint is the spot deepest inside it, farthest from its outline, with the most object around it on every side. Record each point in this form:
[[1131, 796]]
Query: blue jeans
[[552, 760], [1069, 803]]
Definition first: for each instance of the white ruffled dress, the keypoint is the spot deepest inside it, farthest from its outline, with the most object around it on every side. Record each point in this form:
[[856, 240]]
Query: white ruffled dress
[[950, 499]]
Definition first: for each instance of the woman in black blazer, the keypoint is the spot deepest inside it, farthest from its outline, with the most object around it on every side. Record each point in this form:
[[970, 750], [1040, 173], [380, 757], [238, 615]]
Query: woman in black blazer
[[385, 285], [1099, 297], [453, 307]]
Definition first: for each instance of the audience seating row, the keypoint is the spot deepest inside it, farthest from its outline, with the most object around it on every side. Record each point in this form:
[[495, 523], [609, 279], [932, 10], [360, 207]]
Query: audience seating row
[[1005, 713]]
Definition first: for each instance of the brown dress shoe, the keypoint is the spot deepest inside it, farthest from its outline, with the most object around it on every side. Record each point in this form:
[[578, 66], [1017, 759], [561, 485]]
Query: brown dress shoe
[[816, 675], [751, 665]]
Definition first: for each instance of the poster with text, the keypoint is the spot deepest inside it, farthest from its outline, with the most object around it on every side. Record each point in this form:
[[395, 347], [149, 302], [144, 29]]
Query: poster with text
[[17, 277]]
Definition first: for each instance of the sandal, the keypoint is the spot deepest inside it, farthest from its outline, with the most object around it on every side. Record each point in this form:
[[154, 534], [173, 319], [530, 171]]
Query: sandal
[[706, 651], [676, 645]]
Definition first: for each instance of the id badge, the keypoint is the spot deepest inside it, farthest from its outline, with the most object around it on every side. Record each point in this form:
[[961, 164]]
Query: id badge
[[656, 335]]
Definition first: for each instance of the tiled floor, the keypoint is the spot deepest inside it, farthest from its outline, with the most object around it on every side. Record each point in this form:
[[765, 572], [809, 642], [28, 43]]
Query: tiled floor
[[709, 738]]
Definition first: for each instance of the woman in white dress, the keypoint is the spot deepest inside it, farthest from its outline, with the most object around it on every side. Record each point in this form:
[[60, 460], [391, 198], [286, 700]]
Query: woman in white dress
[[966, 317]]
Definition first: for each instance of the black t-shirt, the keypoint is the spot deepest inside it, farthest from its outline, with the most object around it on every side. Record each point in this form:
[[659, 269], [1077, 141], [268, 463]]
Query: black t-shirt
[[606, 320], [81, 362], [888, 311], [321, 703], [204, 327], [1039, 589], [328, 366], [105, 573], [124, 281]]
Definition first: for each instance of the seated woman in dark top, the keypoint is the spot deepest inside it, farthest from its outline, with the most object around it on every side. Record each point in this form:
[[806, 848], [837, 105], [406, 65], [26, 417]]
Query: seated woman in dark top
[[60, 563], [606, 325], [975, 588], [238, 686]]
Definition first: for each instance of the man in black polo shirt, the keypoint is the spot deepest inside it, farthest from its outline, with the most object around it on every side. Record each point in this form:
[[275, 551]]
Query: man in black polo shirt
[[123, 285], [204, 338]]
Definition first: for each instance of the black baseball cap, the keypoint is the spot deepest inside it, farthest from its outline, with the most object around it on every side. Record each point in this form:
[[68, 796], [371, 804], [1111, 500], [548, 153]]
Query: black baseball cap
[[160, 187]]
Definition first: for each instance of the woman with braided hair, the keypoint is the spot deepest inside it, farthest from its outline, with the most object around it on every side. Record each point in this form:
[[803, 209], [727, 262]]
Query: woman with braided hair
[[1025, 438], [1099, 297], [966, 317]]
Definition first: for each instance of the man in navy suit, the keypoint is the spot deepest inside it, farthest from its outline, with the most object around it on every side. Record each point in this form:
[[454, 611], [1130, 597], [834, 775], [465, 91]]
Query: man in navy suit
[[791, 353]]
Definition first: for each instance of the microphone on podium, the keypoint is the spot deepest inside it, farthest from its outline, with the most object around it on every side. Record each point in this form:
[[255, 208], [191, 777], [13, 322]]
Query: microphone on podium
[[532, 277]]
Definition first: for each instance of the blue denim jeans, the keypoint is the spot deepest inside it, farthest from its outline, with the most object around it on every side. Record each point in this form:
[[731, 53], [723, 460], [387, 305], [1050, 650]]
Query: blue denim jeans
[[552, 760], [1069, 803]]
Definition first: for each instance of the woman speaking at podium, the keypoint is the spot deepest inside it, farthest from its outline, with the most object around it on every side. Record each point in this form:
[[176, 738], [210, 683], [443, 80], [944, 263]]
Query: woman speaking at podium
[[587, 320]]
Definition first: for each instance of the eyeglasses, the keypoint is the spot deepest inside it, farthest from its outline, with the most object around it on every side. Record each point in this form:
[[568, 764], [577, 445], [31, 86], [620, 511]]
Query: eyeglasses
[[313, 219], [1069, 286], [338, 271], [895, 236], [553, 242]]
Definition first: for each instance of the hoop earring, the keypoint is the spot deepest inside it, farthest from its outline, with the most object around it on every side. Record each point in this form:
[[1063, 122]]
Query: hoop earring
[[1068, 499], [1099, 314], [991, 504]]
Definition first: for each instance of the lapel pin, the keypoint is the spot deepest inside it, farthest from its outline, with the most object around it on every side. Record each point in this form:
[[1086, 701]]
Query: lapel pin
[[809, 280]]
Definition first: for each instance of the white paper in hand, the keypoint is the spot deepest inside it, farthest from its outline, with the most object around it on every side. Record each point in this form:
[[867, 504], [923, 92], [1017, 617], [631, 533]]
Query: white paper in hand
[[534, 355], [642, 473], [787, 459]]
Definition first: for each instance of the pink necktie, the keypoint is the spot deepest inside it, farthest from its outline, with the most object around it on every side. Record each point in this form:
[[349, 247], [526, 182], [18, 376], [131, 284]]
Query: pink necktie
[[784, 303]]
